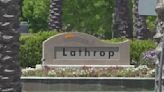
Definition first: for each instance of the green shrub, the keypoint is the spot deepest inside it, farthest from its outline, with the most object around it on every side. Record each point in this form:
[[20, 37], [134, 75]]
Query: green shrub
[[138, 47], [150, 21], [31, 48]]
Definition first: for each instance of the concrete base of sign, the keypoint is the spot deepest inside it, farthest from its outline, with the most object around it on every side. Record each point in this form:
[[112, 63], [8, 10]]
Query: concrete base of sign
[[87, 84]]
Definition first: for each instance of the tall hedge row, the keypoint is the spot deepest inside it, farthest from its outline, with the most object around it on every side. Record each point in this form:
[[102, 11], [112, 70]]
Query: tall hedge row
[[31, 48]]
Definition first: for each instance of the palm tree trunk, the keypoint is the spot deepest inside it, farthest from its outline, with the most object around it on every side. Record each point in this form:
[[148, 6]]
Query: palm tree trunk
[[121, 20], [159, 75], [160, 9], [139, 22], [160, 19], [55, 15], [159, 29], [10, 71]]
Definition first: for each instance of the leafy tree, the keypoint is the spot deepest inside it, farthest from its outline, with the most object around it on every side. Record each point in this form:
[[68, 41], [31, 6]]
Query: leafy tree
[[36, 13], [90, 16]]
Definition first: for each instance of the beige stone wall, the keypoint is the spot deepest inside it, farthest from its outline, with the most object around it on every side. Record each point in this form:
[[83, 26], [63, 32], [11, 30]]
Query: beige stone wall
[[72, 49]]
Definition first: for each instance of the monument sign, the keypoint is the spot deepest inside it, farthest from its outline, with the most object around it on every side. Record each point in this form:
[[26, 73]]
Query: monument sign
[[76, 48]]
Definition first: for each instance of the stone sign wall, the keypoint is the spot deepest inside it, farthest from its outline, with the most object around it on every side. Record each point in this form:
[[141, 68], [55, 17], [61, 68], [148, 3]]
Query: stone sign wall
[[76, 48]]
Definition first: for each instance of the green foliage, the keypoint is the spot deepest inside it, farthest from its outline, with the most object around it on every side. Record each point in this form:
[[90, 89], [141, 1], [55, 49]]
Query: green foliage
[[138, 47], [117, 39], [35, 12], [151, 22], [89, 16], [31, 48]]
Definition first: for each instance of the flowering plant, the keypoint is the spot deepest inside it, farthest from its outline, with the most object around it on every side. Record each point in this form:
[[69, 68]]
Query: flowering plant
[[149, 58], [140, 71]]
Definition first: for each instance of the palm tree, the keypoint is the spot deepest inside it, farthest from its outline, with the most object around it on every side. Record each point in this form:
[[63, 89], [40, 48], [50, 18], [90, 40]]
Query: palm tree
[[160, 19], [121, 20], [159, 76], [55, 14], [10, 71], [139, 22]]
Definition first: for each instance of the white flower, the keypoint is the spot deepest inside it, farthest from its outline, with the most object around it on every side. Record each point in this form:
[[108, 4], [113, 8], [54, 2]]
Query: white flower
[[30, 69], [52, 73], [26, 70], [142, 67], [38, 67], [74, 73], [63, 69], [151, 71]]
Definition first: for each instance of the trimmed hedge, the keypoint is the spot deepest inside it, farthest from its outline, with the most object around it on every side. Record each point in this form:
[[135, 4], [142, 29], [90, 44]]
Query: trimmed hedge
[[31, 48]]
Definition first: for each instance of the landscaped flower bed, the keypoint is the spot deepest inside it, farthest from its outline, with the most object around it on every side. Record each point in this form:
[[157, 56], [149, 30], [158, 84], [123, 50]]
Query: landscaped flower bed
[[141, 71]]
